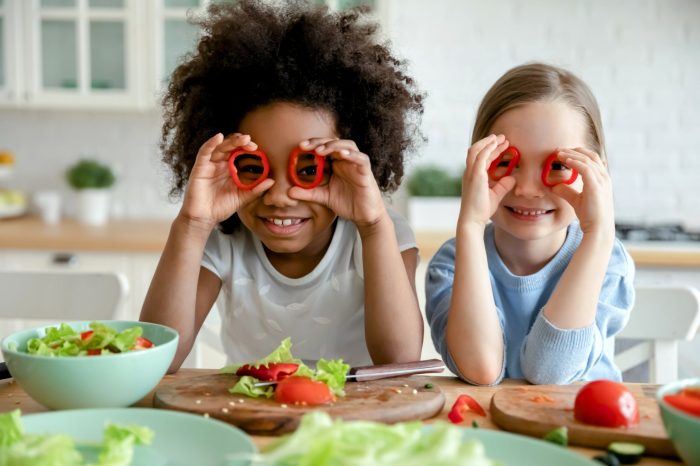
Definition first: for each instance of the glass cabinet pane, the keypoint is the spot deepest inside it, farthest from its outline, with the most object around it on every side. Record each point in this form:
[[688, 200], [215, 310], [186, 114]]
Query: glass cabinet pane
[[107, 55], [106, 4], [2, 50], [181, 3], [180, 38], [59, 57], [58, 3]]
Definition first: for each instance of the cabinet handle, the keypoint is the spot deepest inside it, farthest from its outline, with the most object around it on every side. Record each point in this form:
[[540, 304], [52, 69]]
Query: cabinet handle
[[64, 258]]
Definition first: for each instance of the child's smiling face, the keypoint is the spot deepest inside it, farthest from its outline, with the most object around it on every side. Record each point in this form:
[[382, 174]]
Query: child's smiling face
[[284, 224], [530, 210]]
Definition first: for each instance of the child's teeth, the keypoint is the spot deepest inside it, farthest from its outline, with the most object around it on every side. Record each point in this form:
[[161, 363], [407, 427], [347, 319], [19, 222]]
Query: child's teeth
[[284, 222]]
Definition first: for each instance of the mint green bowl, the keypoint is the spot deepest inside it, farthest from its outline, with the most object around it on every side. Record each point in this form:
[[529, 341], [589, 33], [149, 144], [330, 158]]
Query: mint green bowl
[[109, 381], [682, 428]]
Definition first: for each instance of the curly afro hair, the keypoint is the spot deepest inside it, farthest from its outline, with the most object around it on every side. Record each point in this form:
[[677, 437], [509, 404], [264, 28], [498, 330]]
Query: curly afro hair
[[253, 53]]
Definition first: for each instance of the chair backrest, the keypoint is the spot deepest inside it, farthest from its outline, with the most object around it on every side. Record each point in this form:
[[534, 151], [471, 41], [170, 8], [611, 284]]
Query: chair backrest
[[662, 316], [58, 296]]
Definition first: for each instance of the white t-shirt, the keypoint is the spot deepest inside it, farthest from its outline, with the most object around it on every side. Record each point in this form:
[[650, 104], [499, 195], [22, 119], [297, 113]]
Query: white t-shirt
[[323, 311]]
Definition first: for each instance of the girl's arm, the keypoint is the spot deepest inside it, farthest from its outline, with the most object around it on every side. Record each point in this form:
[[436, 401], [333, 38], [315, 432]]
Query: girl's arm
[[182, 292], [574, 301], [393, 323], [473, 332]]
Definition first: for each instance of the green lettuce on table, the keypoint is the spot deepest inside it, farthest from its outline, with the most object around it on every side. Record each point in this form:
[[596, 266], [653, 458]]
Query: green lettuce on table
[[18, 448], [322, 441], [331, 372]]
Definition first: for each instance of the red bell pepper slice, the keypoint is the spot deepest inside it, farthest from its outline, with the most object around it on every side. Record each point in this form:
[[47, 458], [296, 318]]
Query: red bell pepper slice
[[87, 334], [270, 372], [689, 404], [464, 404], [258, 178], [292, 168], [493, 168], [94, 352], [553, 157]]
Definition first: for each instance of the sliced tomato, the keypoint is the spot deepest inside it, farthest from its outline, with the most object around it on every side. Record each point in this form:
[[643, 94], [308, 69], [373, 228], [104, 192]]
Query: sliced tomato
[[143, 343], [687, 403], [606, 403], [464, 404], [303, 390], [271, 372], [94, 352], [86, 334]]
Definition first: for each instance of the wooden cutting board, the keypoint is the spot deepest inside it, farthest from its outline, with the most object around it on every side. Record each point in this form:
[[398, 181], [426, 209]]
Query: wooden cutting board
[[538, 409], [387, 400]]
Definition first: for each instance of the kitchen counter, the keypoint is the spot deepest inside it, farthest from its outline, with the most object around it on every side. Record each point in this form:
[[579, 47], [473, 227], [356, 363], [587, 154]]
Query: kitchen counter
[[646, 254], [124, 235]]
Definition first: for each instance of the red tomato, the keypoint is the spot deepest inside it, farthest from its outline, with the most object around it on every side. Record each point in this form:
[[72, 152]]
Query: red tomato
[[303, 390], [143, 343], [87, 334], [606, 403], [275, 371], [94, 352]]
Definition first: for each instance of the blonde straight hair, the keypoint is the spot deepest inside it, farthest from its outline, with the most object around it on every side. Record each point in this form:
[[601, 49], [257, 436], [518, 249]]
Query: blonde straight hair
[[539, 82]]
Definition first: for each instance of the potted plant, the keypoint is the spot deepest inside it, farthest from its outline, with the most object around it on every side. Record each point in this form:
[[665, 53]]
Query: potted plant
[[434, 198], [92, 181]]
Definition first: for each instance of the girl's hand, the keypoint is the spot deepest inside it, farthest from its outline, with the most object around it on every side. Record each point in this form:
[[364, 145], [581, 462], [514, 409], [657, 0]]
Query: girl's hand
[[594, 204], [480, 195], [352, 191], [211, 196]]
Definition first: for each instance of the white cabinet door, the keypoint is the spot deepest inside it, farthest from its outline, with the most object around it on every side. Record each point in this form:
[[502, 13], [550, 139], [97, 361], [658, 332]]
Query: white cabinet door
[[10, 58], [83, 53]]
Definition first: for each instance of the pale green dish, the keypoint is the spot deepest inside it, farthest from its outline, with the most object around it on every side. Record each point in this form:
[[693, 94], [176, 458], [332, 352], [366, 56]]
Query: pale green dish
[[518, 450], [682, 428], [180, 439], [107, 381]]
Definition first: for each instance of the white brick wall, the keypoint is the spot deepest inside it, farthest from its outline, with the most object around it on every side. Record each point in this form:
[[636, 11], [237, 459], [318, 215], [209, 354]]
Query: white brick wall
[[640, 57]]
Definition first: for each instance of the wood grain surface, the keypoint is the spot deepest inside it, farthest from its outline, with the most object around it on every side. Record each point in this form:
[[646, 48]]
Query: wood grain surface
[[538, 409], [387, 400]]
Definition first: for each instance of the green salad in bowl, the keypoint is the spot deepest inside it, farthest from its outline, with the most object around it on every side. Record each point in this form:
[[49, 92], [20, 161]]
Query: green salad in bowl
[[88, 364], [100, 339]]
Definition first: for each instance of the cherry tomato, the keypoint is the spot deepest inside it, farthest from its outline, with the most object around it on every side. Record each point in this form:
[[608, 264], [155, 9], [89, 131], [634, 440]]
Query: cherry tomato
[[94, 352], [303, 390], [143, 343], [275, 371], [606, 403], [87, 334]]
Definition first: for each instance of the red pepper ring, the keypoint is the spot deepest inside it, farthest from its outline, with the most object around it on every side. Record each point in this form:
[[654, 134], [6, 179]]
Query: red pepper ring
[[234, 171], [464, 404], [292, 168], [270, 372], [548, 168], [511, 165]]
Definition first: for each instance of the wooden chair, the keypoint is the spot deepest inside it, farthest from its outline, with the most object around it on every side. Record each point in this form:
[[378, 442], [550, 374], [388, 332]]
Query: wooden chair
[[662, 317], [57, 296]]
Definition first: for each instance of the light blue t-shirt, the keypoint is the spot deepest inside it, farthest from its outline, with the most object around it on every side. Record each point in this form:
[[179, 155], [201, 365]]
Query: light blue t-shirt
[[534, 348]]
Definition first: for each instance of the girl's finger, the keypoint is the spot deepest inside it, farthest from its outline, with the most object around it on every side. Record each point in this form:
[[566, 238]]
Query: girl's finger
[[566, 192], [206, 149], [318, 195], [479, 145], [314, 143], [337, 145]]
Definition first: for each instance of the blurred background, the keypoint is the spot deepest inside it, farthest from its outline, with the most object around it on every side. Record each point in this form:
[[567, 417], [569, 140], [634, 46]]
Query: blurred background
[[81, 79]]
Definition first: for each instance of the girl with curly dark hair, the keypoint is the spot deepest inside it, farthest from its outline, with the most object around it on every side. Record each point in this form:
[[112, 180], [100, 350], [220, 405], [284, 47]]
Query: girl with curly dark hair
[[315, 117]]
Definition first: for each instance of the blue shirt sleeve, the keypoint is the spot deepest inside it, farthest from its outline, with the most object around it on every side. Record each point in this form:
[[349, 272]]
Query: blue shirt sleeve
[[551, 355]]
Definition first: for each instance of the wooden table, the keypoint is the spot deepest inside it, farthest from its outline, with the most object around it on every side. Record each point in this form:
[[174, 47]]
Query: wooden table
[[12, 397]]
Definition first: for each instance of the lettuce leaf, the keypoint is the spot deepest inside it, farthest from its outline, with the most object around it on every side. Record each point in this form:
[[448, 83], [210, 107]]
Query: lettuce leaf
[[321, 441]]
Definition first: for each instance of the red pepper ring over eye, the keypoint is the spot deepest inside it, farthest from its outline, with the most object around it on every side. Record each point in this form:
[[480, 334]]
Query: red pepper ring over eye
[[248, 168], [555, 172], [504, 164], [307, 169]]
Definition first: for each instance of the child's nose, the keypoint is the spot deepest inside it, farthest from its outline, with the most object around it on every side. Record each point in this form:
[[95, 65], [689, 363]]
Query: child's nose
[[278, 194], [528, 183]]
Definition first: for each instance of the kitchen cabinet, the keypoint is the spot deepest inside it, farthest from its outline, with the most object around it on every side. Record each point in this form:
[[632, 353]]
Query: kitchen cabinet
[[97, 54]]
